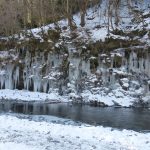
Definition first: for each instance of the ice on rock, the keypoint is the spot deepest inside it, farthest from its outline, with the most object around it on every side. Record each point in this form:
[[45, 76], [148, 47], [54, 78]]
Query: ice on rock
[[43, 72]]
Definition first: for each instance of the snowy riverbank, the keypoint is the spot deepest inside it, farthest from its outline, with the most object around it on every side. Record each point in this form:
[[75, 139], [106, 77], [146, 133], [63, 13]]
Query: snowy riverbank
[[117, 99], [17, 133], [24, 95]]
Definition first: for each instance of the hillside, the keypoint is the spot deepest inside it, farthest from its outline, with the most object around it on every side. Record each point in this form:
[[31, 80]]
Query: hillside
[[101, 63]]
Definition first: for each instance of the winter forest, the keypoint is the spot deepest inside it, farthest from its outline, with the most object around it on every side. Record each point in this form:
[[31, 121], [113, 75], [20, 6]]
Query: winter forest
[[75, 74]]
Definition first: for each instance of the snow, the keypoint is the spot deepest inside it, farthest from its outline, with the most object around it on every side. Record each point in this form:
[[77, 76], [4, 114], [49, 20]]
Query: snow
[[24, 95], [96, 27], [11, 54], [116, 96], [99, 34], [15, 146], [19, 133]]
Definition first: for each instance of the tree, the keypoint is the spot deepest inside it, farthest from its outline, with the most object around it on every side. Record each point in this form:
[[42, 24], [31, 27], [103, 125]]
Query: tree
[[83, 7]]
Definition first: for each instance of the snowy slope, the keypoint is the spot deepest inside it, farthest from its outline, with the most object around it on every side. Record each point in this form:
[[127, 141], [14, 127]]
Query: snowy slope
[[96, 27]]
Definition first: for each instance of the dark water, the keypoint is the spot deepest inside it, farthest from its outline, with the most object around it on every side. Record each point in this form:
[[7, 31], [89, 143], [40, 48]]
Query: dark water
[[122, 118]]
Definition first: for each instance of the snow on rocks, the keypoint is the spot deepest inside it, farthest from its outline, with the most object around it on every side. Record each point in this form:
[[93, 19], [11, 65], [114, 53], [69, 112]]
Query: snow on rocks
[[113, 98], [8, 55]]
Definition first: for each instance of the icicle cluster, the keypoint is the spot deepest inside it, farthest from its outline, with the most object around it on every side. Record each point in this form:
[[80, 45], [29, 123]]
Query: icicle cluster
[[43, 71]]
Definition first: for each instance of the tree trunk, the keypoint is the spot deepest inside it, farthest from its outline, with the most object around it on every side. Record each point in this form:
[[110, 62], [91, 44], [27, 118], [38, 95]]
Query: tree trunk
[[28, 12], [69, 15], [83, 6], [82, 19]]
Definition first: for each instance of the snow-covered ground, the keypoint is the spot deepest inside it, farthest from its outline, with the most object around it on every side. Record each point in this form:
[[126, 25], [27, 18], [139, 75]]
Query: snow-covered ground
[[26, 134], [24, 95]]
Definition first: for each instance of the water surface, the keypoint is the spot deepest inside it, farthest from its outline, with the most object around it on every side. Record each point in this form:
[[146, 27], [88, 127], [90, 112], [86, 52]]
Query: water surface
[[123, 118]]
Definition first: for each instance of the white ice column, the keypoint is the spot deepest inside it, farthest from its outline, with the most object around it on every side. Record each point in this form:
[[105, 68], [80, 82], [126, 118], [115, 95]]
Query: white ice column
[[16, 77], [9, 74]]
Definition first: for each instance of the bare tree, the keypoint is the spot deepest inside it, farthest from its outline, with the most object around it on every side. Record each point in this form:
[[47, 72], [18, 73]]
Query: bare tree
[[83, 7]]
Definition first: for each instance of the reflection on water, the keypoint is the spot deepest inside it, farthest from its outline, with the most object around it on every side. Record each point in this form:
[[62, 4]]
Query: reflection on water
[[123, 118]]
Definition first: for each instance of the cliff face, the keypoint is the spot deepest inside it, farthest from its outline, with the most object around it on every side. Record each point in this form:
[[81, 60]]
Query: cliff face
[[85, 64], [120, 77]]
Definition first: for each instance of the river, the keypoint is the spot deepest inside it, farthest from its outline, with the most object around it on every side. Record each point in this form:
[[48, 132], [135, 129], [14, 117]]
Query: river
[[137, 119]]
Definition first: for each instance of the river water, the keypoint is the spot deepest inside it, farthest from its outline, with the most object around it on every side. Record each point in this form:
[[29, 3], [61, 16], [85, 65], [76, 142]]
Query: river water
[[137, 119]]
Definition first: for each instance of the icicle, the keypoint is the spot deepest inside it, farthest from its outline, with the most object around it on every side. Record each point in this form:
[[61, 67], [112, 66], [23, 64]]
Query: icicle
[[2, 80], [86, 67], [16, 77], [74, 69], [45, 85], [131, 61], [8, 77]]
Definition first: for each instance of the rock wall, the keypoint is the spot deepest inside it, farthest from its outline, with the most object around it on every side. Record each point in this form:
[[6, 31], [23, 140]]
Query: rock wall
[[70, 74]]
